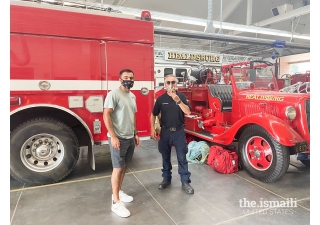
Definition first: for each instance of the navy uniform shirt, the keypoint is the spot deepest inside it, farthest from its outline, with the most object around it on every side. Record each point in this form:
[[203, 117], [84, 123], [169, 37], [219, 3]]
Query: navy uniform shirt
[[171, 113]]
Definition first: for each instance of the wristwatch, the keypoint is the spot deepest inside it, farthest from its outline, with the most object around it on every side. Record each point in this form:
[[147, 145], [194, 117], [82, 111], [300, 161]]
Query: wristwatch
[[178, 102]]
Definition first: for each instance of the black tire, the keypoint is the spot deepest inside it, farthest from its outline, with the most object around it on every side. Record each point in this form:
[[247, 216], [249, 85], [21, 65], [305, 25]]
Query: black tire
[[42, 151], [306, 163], [261, 163]]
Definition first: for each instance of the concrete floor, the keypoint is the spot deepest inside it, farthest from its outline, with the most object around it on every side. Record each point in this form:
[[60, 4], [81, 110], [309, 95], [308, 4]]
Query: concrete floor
[[84, 197]]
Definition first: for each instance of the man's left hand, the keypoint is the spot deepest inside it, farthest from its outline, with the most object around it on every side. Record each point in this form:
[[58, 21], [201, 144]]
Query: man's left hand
[[137, 140]]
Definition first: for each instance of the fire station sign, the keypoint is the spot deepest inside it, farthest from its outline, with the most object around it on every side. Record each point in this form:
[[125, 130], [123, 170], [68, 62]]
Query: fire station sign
[[173, 55]]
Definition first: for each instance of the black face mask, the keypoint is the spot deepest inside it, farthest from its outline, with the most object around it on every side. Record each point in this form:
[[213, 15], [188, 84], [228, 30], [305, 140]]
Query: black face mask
[[127, 83]]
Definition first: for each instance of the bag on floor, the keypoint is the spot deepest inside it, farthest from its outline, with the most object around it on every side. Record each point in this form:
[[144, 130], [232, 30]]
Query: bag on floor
[[197, 152], [223, 160]]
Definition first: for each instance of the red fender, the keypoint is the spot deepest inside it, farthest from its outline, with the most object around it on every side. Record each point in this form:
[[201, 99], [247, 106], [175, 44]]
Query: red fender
[[278, 129]]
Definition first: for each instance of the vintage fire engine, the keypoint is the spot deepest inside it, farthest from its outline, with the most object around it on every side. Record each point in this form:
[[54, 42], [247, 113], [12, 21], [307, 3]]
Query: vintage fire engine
[[186, 64], [63, 62], [296, 83], [268, 125]]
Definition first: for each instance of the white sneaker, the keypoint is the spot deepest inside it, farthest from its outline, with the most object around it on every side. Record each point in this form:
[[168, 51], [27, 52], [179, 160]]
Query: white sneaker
[[120, 209], [124, 197]]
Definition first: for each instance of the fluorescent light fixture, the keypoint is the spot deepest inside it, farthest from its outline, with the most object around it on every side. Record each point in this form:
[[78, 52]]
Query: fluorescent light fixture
[[266, 31], [193, 22]]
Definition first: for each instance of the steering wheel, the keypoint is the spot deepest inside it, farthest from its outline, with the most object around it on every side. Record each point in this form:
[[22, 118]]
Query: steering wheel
[[206, 76]]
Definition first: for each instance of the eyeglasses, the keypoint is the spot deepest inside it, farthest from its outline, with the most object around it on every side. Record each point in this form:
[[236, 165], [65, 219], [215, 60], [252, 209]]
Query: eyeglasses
[[172, 82]]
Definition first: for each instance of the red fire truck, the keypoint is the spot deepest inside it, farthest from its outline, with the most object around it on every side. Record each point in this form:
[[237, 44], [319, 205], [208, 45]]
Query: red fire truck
[[296, 83], [63, 61], [268, 125]]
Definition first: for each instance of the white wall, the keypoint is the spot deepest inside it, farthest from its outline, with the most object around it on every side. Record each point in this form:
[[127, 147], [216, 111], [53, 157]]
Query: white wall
[[284, 62]]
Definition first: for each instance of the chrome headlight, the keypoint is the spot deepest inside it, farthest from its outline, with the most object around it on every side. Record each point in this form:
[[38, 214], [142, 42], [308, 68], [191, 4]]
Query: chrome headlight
[[144, 91], [291, 113]]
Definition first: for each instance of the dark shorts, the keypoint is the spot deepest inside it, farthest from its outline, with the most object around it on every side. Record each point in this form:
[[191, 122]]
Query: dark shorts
[[124, 155]]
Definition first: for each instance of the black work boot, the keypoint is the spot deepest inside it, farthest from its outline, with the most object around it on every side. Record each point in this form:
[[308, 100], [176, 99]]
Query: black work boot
[[187, 188], [164, 184]]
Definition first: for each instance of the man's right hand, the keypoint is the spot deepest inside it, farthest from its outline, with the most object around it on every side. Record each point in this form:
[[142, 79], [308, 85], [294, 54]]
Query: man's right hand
[[153, 134], [115, 143]]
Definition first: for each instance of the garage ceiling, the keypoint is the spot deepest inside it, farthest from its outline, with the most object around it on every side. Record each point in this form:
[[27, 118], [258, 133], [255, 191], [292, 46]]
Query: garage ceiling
[[261, 10], [233, 11], [234, 14]]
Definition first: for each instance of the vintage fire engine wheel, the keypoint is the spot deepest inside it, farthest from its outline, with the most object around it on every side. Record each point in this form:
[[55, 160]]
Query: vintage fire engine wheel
[[43, 151], [261, 156], [259, 153]]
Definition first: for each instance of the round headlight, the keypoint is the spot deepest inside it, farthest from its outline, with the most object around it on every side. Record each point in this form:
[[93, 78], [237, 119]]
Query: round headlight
[[291, 112], [144, 91]]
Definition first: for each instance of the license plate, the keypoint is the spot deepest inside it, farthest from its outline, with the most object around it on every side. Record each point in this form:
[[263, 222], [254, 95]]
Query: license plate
[[301, 147]]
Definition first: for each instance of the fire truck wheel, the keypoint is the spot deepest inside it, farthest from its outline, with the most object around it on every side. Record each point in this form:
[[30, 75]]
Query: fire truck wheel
[[306, 162], [42, 151], [262, 157]]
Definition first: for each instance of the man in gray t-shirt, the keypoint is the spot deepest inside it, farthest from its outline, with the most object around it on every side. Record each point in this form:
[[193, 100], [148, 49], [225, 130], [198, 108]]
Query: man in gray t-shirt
[[119, 117]]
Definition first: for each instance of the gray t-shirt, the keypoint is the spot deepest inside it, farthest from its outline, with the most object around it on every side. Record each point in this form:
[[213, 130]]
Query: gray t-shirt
[[124, 107]]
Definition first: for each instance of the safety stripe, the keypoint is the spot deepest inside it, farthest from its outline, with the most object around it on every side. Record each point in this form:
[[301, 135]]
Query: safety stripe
[[74, 85]]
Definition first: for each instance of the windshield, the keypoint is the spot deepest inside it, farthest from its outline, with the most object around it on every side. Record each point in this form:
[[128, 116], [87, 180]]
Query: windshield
[[261, 78]]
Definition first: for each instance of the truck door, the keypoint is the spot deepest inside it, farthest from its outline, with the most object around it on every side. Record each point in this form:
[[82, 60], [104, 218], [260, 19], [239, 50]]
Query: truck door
[[140, 59]]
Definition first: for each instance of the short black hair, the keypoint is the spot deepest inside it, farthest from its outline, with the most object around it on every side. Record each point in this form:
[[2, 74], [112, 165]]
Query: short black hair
[[126, 70]]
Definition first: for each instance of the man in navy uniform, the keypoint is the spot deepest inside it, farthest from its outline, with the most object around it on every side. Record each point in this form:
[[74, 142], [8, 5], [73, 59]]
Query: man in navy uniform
[[172, 105]]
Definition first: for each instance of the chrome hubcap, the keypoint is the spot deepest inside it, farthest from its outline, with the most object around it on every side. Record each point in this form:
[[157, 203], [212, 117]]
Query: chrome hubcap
[[42, 152]]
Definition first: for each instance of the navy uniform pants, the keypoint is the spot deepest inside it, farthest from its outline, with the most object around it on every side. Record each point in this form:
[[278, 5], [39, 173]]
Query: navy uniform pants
[[178, 138]]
